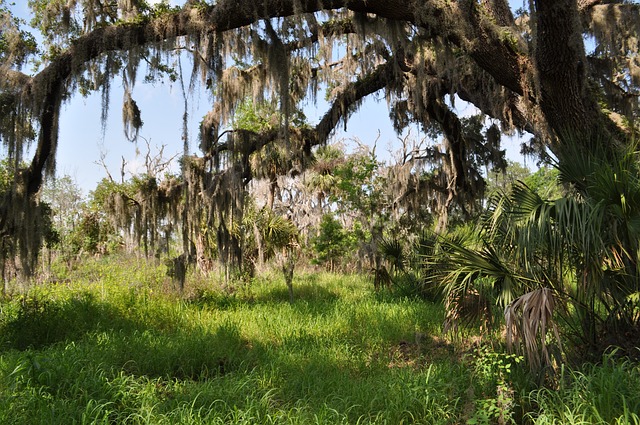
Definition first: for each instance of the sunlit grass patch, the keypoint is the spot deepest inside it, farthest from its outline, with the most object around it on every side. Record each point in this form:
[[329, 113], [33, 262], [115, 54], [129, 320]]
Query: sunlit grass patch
[[109, 348], [105, 347]]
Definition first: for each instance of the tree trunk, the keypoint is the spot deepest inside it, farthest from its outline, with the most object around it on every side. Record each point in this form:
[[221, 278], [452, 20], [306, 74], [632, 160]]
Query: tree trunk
[[568, 105], [288, 266], [259, 243]]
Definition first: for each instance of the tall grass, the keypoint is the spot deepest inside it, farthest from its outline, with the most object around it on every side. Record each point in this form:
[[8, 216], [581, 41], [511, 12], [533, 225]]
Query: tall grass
[[606, 393], [116, 345]]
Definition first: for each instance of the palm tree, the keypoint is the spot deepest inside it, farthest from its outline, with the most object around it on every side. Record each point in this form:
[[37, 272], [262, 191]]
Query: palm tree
[[270, 163], [265, 234], [322, 180], [581, 251]]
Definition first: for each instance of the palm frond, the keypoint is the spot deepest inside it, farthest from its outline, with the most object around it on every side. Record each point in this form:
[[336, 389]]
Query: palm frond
[[465, 265], [427, 244], [393, 251], [497, 223], [466, 309], [526, 203], [528, 319]]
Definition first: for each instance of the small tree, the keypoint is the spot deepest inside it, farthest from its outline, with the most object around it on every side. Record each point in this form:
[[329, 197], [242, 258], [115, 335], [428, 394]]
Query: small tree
[[66, 200], [546, 182], [265, 235], [290, 255], [91, 234], [503, 180], [331, 243]]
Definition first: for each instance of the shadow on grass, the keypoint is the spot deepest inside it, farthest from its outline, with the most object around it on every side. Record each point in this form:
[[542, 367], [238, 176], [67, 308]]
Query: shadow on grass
[[188, 354], [157, 338], [38, 322], [82, 349], [319, 377], [306, 295], [55, 354]]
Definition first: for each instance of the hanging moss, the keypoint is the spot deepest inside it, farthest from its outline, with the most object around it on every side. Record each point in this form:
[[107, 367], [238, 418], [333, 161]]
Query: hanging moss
[[420, 56], [131, 117]]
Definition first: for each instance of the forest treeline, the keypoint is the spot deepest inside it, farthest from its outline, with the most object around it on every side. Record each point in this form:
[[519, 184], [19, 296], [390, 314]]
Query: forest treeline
[[346, 212]]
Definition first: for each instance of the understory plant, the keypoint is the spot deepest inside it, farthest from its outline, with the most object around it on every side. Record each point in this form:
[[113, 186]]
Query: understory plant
[[565, 267]]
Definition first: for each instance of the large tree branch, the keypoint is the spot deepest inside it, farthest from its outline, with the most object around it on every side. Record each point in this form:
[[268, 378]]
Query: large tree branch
[[464, 25], [436, 19], [343, 105], [47, 139], [347, 100]]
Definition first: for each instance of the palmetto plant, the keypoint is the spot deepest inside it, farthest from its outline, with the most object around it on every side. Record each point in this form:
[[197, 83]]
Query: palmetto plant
[[531, 256], [605, 239], [392, 251], [266, 233]]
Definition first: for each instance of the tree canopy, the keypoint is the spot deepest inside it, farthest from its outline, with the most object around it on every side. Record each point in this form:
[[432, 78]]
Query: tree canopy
[[528, 71]]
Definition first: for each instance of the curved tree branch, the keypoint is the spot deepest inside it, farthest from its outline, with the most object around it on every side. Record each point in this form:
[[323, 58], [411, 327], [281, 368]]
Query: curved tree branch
[[466, 25], [345, 103]]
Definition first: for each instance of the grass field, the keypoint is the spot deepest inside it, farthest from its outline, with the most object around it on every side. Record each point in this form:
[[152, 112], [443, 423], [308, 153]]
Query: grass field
[[113, 344]]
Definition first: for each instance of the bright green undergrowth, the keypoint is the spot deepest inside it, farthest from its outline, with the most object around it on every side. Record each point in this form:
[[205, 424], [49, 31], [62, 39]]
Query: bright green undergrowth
[[115, 344], [607, 393]]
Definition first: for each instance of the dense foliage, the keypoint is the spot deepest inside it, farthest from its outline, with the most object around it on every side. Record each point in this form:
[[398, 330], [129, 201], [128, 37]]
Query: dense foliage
[[521, 70]]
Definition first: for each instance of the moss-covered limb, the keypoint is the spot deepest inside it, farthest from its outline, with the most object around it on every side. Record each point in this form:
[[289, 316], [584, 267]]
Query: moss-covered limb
[[507, 107], [331, 28], [13, 80], [352, 95], [614, 64], [494, 53], [457, 143], [499, 11], [252, 141], [224, 16], [460, 24], [343, 105], [585, 5], [471, 84], [458, 183], [44, 157]]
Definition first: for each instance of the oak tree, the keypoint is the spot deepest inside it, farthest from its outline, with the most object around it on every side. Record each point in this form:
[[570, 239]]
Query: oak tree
[[528, 71]]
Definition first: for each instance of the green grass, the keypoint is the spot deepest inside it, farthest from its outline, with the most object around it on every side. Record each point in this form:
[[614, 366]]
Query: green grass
[[607, 393], [115, 345]]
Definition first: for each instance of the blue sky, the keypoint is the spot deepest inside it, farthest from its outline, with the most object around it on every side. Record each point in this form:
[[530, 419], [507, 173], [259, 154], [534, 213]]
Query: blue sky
[[82, 142]]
